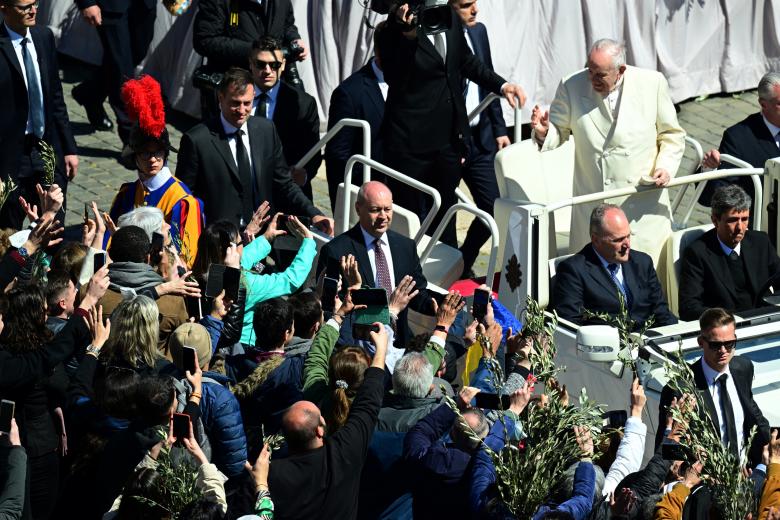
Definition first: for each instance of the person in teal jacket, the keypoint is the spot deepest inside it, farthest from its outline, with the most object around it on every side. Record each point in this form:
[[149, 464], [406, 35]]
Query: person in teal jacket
[[261, 287]]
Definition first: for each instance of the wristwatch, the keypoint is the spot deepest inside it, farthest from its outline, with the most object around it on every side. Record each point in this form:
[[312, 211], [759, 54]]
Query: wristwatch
[[442, 328], [23, 253], [95, 351]]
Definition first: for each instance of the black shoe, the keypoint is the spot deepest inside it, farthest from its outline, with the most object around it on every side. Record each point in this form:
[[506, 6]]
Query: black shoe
[[96, 114], [468, 274]]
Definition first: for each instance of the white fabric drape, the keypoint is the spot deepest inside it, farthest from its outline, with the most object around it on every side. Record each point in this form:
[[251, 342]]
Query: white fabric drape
[[701, 46]]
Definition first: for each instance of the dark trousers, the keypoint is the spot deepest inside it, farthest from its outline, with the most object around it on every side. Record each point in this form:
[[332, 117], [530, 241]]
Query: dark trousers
[[30, 173], [439, 169], [479, 175], [43, 477], [125, 38]]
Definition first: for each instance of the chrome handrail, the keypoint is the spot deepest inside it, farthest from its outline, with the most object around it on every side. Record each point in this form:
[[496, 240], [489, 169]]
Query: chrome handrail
[[486, 102], [414, 183], [360, 123], [485, 218]]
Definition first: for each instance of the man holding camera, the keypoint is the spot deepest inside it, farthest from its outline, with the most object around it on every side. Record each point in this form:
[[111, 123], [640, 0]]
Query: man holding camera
[[223, 34], [293, 111], [425, 124]]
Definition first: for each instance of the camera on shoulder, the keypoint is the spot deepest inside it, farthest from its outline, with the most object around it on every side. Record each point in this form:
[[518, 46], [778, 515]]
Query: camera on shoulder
[[431, 16]]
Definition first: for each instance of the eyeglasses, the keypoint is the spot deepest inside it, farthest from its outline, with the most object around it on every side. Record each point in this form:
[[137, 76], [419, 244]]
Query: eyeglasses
[[27, 8], [159, 154], [717, 345], [275, 65]]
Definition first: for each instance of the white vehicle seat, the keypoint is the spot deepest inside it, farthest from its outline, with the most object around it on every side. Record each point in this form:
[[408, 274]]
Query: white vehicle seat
[[553, 265], [524, 174], [669, 274]]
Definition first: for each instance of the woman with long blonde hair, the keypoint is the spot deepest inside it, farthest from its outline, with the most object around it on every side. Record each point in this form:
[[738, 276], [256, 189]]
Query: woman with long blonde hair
[[135, 330]]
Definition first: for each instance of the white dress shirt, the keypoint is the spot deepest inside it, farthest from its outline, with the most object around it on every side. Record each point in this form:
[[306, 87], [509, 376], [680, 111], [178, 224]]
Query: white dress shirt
[[774, 130], [157, 181], [613, 97], [711, 376], [229, 131], [472, 89], [619, 274], [380, 78], [369, 240], [271, 106], [16, 41]]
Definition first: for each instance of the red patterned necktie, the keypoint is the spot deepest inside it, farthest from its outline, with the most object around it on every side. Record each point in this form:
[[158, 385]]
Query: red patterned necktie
[[382, 271]]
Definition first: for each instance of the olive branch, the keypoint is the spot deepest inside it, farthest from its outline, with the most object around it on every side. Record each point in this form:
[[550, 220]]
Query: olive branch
[[630, 341], [541, 330], [6, 188], [49, 159], [524, 472]]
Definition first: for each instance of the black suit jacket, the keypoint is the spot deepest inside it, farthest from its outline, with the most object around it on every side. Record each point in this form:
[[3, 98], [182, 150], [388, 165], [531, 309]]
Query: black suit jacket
[[405, 262], [227, 45], [14, 107], [298, 125], [357, 97], [749, 140], [741, 369], [206, 166], [112, 6], [582, 282], [425, 108], [705, 279], [491, 125]]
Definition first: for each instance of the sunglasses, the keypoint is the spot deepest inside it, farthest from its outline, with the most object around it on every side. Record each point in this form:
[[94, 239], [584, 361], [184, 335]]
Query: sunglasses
[[27, 8], [275, 65], [717, 345], [159, 154]]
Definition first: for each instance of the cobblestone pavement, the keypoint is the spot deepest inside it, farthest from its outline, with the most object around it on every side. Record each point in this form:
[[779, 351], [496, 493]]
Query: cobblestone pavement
[[100, 175]]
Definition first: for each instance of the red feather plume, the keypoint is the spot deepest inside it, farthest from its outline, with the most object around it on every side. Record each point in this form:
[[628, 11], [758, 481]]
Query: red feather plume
[[143, 103]]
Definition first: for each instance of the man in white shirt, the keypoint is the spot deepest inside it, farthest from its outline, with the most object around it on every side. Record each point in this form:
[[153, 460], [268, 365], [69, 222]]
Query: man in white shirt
[[384, 257], [625, 132], [724, 382], [234, 162], [755, 139]]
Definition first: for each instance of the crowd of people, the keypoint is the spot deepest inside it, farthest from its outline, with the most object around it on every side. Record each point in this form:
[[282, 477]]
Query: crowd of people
[[195, 356]]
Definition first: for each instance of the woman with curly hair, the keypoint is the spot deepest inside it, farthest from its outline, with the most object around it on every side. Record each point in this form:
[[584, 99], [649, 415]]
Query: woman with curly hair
[[38, 404], [135, 330]]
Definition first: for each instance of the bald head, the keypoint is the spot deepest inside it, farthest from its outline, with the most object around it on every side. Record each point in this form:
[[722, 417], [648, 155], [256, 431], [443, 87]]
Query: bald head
[[374, 207], [610, 233], [303, 426]]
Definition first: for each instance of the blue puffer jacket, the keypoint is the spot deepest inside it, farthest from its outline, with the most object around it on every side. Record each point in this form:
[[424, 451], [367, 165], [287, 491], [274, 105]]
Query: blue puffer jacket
[[221, 417]]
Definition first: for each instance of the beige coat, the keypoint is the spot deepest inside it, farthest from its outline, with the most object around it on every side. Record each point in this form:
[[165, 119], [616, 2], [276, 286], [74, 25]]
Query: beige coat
[[612, 154]]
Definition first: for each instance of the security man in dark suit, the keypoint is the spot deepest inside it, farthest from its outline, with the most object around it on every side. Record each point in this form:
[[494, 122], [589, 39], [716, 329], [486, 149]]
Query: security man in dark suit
[[755, 139], [32, 108], [293, 111], [224, 30], [384, 257], [728, 265], [593, 278], [234, 162], [360, 96], [425, 121], [488, 135], [724, 382], [126, 28]]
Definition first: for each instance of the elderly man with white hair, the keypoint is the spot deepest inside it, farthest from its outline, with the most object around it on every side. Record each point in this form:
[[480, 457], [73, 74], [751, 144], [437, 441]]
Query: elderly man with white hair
[[625, 134], [755, 139]]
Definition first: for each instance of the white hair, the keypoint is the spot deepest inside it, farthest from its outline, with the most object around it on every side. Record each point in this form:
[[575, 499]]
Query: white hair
[[766, 87], [612, 47], [148, 218], [412, 376]]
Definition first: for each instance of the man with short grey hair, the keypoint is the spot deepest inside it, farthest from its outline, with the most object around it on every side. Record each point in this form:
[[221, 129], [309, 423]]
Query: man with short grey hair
[[755, 139], [625, 132], [728, 265], [606, 269]]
